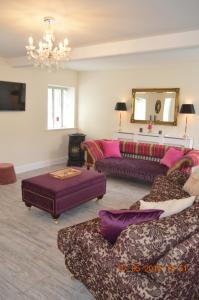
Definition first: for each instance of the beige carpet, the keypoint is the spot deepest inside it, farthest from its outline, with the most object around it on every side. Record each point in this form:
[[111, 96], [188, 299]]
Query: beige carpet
[[31, 266]]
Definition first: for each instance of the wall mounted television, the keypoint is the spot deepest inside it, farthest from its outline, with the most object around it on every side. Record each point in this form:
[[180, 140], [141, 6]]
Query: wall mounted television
[[12, 96]]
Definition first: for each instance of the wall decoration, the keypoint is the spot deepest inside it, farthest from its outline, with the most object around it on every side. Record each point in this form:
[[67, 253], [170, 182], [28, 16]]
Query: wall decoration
[[158, 106]]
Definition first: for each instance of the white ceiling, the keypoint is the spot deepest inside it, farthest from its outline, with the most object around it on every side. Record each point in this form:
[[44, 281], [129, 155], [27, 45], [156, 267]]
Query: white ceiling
[[89, 22]]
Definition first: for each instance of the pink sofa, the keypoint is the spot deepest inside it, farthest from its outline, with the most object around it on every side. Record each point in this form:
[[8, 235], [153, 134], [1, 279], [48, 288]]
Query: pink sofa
[[139, 160]]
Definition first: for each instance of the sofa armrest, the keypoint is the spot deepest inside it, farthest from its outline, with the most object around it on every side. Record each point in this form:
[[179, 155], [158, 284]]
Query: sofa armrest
[[93, 151], [86, 251], [89, 161], [86, 235]]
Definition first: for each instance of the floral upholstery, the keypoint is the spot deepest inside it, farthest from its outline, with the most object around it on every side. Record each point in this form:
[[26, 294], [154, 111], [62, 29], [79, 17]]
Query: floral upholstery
[[169, 241], [121, 271], [166, 188]]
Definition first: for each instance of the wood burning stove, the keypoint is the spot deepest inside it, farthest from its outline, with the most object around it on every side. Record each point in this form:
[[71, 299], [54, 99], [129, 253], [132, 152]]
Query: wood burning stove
[[75, 153]]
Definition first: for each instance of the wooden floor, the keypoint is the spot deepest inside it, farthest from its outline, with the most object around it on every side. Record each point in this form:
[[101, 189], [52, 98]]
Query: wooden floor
[[31, 266]]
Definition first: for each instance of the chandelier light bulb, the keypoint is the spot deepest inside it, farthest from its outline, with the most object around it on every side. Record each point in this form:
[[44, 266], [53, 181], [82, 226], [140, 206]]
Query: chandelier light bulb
[[30, 40], [66, 42], [40, 45], [60, 45]]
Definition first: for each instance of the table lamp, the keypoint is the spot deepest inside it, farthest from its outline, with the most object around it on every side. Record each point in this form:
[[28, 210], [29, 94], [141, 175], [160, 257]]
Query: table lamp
[[120, 106], [187, 109]]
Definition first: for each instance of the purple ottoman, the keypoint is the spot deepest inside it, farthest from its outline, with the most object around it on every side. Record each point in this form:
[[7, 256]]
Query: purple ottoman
[[56, 196]]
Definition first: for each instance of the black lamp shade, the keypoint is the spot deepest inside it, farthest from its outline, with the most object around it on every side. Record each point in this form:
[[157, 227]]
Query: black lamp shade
[[187, 109], [121, 106]]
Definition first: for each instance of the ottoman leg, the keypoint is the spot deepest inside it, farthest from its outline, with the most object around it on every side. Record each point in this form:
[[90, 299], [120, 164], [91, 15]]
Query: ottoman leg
[[28, 205], [55, 218], [100, 197]]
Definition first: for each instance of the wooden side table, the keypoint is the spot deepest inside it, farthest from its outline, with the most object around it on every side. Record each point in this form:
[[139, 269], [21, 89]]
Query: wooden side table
[[7, 173]]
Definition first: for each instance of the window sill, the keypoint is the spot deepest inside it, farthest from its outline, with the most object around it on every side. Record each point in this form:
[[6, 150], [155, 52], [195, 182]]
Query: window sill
[[58, 129]]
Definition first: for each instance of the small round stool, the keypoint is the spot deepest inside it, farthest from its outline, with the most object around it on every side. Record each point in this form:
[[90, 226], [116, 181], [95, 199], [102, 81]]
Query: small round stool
[[7, 173]]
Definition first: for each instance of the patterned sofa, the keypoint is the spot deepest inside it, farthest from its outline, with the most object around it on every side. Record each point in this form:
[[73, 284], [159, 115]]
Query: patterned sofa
[[139, 160], [154, 260]]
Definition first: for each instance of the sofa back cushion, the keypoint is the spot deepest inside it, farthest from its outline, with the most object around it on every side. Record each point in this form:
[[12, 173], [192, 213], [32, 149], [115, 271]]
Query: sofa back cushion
[[147, 242], [145, 150]]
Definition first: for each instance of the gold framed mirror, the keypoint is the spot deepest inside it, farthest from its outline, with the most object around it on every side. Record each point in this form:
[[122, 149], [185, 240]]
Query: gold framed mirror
[[157, 105]]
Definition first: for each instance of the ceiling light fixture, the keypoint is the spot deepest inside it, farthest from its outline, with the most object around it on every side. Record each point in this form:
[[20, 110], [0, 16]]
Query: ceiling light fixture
[[48, 54]]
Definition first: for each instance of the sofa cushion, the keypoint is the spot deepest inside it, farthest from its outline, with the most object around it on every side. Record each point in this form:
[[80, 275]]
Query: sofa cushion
[[131, 167], [114, 221], [111, 148], [170, 207], [171, 157]]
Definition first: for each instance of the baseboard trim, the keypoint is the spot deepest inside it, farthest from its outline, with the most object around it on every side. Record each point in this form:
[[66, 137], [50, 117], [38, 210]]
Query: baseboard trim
[[40, 164]]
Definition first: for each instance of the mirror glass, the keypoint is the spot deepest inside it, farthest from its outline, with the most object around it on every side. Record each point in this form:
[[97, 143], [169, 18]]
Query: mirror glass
[[157, 105]]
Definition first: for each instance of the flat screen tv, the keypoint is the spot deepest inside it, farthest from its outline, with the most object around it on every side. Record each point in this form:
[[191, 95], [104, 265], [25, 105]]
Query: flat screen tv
[[12, 96]]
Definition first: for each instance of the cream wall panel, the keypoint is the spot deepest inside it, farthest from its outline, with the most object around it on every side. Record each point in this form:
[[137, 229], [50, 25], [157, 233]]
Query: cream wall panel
[[100, 90], [23, 135]]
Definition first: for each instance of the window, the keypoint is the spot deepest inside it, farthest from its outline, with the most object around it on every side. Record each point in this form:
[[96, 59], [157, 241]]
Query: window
[[61, 107]]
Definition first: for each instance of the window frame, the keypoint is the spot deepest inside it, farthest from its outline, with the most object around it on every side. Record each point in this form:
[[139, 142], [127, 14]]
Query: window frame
[[62, 88]]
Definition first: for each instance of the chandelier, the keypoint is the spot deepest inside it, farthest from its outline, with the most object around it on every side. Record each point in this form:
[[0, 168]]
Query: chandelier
[[48, 54]]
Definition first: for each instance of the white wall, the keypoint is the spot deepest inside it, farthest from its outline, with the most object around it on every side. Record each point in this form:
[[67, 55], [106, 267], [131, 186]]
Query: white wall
[[23, 135], [100, 90]]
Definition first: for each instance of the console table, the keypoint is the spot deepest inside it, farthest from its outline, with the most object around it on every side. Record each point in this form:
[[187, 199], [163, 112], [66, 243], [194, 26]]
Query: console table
[[154, 138]]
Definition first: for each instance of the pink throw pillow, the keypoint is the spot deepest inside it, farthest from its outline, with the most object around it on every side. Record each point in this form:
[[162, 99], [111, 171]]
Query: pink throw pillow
[[171, 157], [111, 148]]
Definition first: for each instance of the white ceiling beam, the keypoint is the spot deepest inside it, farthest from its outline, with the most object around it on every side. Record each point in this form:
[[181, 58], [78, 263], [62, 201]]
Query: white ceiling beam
[[155, 43]]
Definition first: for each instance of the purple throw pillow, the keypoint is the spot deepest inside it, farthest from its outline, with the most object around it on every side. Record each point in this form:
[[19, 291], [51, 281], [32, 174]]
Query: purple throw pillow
[[114, 221]]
